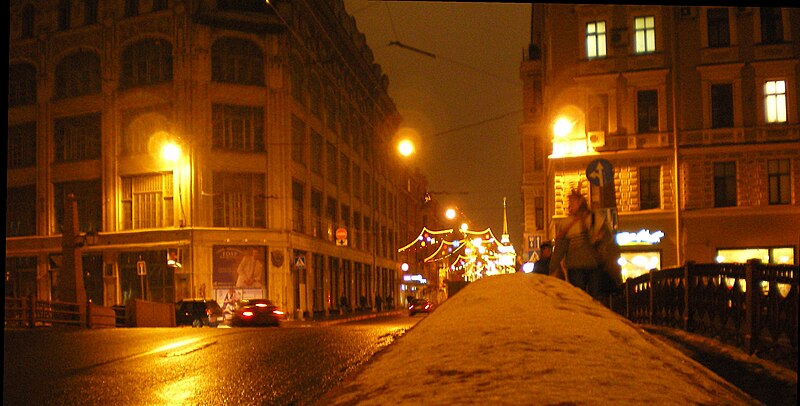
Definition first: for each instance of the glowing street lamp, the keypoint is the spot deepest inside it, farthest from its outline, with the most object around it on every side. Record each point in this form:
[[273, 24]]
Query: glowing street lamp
[[171, 152], [450, 214], [405, 148]]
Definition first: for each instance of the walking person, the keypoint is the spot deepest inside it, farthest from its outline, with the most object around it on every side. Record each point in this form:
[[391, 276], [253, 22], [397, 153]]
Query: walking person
[[573, 245], [542, 265]]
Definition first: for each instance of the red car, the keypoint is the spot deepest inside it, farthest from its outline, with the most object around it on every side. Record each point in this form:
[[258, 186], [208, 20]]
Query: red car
[[257, 312], [419, 306]]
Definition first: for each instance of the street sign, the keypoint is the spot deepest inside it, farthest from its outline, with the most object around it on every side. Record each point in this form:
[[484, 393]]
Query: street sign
[[600, 173], [341, 234], [300, 262], [141, 268]]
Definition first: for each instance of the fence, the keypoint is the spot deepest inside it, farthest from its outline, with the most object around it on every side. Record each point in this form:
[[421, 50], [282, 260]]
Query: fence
[[753, 306], [30, 312]]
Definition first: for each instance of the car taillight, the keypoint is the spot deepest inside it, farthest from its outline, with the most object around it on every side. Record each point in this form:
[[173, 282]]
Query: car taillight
[[427, 306], [278, 312], [247, 313], [208, 312]]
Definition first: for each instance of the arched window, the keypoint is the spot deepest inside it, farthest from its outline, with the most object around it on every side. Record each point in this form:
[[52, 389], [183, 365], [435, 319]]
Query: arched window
[[78, 74], [147, 62], [28, 19], [21, 85], [236, 60]]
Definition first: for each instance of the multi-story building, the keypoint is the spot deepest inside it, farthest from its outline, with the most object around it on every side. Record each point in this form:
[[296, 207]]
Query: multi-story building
[[694, 108], [281, 130]]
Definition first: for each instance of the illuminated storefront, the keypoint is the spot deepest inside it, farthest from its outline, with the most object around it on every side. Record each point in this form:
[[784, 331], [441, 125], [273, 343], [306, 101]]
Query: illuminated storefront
[[638, 256], [778, 255]]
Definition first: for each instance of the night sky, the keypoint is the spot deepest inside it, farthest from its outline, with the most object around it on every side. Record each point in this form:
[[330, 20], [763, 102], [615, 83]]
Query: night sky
[[465, 103]]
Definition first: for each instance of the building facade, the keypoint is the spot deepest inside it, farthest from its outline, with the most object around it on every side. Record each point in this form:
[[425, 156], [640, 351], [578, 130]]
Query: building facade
[[694, 108], [281, 133]]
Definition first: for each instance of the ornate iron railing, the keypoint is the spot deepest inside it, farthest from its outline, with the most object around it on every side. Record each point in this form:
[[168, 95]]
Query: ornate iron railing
[[753, 306]]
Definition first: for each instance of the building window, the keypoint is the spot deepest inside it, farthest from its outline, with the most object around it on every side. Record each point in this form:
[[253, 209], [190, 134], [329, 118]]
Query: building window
[[356, 181], [718, 28], [724, 184], [298, 213], [159, 5], [722, 105], [139, 126], [296, 77], [345, 172], [649, 187], [239, 200], [78, 75], [597, 119], [21, 211], [333, 164], [330, 218], [332, 108], [595, 39], [779, 173], [647, 110], [298, 140], [315, 96], [21, 146], [316, 213], [131, 8], [775, 101], [28, 19], [238, 61], [88, 195], [538, 203], [644, 34], [63, 15], [21, 85], [355, 240], [238, 128], [90, 12], [77, 138], [771, 25], [147, 201], [147, 62], [316, 152]]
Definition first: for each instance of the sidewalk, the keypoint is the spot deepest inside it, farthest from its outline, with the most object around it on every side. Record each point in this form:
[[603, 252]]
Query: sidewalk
[[336, 318]]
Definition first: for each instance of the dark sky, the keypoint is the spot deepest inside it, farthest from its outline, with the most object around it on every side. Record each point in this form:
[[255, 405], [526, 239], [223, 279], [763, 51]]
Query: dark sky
[[454, 100]]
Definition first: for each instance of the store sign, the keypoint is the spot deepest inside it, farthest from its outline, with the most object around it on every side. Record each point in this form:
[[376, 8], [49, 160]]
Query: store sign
[[642, 237], [417, 278]]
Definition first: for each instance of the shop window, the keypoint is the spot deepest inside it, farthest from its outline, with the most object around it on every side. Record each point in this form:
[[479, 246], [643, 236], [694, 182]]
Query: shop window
[[718, 28], [239, 200], [776, 255], [724, 184], [775, 101], [20, 277], [638, 263], [21, 211], [78, 75], [238, 128], [649, 187], [147, 201], [21, 146], [239, 61], [595, 39], [779, 179], [644, 39]]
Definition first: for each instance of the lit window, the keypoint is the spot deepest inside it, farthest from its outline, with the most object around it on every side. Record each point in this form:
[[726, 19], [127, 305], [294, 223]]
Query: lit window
[[775, 101], [596, 39], [644, 34]]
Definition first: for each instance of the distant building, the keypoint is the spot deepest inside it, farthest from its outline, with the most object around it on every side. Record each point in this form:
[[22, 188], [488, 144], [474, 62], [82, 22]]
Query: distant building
[[283, 128], [630, 80]]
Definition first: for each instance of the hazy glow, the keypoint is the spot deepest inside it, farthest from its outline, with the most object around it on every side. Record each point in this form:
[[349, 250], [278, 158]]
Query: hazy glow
[[450, 214], [464, 227], [562, 127], [171, 152], [405, 147]]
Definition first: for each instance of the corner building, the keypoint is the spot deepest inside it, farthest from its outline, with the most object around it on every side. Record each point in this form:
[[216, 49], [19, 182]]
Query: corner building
[[696, 109], [283, 128]]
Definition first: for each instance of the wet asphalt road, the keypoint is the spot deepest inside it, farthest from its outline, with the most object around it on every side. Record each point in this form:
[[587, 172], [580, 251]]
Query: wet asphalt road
[[160, 366]]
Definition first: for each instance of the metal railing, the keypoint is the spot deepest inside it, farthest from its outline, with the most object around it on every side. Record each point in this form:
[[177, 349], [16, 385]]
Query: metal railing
[[753, 306], [29, 312]]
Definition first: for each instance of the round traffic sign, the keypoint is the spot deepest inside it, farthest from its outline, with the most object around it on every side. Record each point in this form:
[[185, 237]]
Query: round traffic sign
[[341, 234]]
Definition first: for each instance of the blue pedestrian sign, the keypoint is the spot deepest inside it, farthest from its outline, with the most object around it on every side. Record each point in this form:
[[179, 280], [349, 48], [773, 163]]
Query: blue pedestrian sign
[[600, 173]]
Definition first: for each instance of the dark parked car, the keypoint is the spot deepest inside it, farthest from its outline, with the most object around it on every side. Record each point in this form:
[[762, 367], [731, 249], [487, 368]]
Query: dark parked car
[[257, 312], [198, 313], [419, 306]]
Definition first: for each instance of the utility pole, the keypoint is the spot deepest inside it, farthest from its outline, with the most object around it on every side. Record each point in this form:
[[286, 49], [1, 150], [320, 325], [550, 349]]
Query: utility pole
[[70, 281]]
